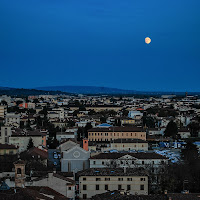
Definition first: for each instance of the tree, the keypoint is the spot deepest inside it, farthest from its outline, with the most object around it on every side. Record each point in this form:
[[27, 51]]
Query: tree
[[171, 130], [4, 103], [149, 122], [36, 101], [190, 153], [30, 144], [125, 113], [79, 133], [194, 129], [87, 127], [18, 102], [82, 108], [103, 119]]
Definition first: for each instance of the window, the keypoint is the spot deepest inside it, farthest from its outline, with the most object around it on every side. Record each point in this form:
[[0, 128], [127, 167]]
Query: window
[[120, 179], [142, 179], [129, 179], [69, 188], [84, 179], [132, 162], [162, 162], [106, 187], [153, 162], [102, 162], [97, 187], [141, 187], [84, 187], [128, 187], [107, 179], [19, 171], [84, 196], [94, 162], [98, 179], [119, 187], [142, 162]]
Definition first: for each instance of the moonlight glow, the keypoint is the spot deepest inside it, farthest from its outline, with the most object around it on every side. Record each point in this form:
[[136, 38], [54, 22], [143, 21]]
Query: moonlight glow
[[147, 40]]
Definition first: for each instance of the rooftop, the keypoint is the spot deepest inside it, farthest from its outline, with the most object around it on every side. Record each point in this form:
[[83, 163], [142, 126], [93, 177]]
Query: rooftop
[[139, 155], [117, 129], [112, 172], [116, 195]]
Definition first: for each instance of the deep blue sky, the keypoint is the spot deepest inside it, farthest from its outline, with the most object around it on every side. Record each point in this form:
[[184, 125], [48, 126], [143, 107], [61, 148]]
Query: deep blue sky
[[101, 43]]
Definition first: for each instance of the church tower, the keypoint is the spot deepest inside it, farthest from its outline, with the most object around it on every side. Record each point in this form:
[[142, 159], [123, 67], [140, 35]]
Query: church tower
[[19, 173]]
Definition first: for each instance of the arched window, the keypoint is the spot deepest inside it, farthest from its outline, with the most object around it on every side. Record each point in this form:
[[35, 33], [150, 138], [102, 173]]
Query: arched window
[[19, 171]]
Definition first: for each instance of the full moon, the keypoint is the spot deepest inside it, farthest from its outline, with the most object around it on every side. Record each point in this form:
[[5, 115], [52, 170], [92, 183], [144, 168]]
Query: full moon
[[147, 40]]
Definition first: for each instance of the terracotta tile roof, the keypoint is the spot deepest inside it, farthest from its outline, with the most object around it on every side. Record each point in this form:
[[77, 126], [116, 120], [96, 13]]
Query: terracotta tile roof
[[118, 129], [31, 193], [34, 151], [72, 182], [8, 146], [116, 195], [129, 140], [139, 155], [21, 133], [112, 172]]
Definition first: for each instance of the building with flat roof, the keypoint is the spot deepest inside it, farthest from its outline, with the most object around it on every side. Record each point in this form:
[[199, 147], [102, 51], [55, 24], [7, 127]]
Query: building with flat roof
[[112, 133]]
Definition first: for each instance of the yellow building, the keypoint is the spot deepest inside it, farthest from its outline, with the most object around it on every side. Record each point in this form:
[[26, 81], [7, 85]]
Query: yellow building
[[100, 180], [112, 133], [128, 121], [8, 149]]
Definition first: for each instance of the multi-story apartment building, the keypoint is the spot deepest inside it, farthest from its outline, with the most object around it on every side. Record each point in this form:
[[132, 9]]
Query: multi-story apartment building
[[112, 133], [5, 133], [98, 181], [21, 139], [13, 119], [128, 160], [3, 111], [120, 145]]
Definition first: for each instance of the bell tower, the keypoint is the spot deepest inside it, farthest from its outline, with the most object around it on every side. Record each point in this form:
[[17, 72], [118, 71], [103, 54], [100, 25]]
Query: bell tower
[[19, 173]]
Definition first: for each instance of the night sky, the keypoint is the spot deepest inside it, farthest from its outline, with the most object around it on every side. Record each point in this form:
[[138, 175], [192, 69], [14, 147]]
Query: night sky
[[101, 43]]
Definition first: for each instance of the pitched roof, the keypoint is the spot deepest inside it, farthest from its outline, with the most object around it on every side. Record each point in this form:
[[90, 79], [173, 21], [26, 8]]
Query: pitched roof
[[112, 172], [117, 129], [139, 155], [34, 151], [8, 146], [21, 133], [31, 193], [116, 195], [72, 182], [129, 140]]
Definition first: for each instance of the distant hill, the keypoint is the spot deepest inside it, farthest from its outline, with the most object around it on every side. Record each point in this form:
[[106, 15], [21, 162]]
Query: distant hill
[[87, 90], [26, 92], [90, 90], [93, 90]]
